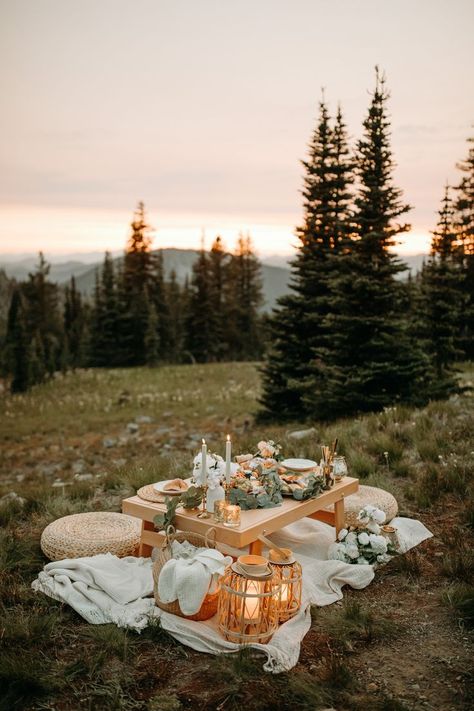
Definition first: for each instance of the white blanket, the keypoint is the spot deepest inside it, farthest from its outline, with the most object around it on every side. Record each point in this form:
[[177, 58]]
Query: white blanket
[[189, 579], [93, 586]]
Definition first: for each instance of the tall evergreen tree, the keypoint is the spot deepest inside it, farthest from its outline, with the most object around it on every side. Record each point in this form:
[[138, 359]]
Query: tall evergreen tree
[[74, 326], [105, 324], [296, 326], [440, 308], [136, 287], [464, 222], [176, 300], [18, 346], [218, 262], [368, 359], [244, 290], [198, 332]]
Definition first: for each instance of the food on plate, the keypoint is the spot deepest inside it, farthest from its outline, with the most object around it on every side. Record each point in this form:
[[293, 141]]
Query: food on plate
[[175, 485]]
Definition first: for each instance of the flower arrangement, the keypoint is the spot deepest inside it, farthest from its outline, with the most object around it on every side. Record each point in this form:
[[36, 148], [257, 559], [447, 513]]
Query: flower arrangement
[[363, 545], [215, 469], [269, 450]]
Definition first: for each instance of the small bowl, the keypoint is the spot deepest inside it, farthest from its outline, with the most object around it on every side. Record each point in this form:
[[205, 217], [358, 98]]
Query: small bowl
[[253, 564]]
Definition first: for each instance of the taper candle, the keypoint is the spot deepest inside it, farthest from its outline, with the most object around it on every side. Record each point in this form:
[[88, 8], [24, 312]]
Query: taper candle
[[204, 463], [228, 454]]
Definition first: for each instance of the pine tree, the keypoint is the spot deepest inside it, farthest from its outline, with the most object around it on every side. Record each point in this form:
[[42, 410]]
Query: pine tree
[[18, 346], [218, 283], [73, 326], [442, 298], [198, 332], [176, 300], [464, 223], [158, 297], [296, 326], [105, 324], [368, 358], [135, 288], [244, 289]]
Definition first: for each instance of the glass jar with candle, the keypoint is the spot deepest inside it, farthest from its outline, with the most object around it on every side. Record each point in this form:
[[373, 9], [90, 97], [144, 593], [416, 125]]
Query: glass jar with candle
[[232, 516], [219, 509], [339, 468]]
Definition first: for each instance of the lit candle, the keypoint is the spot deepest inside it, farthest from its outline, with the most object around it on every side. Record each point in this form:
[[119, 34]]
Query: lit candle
[[203, 463], [252, 604], [228, 453], [284, 592]]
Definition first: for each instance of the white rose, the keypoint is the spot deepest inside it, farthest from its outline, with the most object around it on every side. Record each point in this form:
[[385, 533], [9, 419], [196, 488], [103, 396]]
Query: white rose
[[363, 538], [342, 534], [363, 516], [373, 527], [370, 509], [351, 538], [383, 558], [362, 561], [337, 552], [378, 543], [378, 516], [352, 551]]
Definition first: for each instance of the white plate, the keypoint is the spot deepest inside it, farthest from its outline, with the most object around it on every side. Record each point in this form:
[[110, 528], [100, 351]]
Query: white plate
[[168, 492], [299, 465]]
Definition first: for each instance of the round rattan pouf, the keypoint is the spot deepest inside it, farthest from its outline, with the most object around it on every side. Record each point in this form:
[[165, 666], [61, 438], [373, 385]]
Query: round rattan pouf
[[368, 495], [87, 534]]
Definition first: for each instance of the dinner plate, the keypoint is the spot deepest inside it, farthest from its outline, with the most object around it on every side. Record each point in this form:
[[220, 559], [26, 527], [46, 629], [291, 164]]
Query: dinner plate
[[159, 487], [299, 465]]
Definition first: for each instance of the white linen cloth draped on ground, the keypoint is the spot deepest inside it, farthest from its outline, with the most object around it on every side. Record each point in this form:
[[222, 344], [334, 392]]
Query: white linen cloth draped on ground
[[188, 579], [93, 586]]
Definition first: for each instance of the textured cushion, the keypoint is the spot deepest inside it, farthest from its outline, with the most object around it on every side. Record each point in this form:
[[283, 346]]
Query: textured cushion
[[368, 495], [87, 534]]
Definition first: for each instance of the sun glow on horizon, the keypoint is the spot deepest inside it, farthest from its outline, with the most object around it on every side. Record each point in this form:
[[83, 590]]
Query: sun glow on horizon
[[62, 231]]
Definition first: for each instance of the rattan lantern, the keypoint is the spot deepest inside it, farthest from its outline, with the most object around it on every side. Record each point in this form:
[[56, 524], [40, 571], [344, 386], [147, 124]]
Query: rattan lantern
[[290, 574], [248, 606]]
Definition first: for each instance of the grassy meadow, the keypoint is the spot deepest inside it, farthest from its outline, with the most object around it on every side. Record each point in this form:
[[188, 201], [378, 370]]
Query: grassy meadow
[[86, 440]]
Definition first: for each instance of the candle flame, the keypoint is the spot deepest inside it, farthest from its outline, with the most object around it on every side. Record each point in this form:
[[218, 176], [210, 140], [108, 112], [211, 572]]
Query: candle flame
[[204, 441], [228, 438]]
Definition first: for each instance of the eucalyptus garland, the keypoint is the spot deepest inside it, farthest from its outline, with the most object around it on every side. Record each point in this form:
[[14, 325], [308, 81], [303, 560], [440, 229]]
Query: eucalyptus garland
[[189, 499], [267, 499], [315, 486]]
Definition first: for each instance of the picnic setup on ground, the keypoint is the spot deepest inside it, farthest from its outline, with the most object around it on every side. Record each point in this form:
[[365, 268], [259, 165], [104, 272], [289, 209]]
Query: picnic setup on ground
[[233, 554]]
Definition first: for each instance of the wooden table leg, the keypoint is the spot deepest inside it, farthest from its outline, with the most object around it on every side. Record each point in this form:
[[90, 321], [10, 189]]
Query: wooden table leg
[[339, 514], [255, 548], [145, 549]]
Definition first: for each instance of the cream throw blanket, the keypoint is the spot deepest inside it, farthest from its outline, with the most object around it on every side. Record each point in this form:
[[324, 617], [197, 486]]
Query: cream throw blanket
[[108, 589]]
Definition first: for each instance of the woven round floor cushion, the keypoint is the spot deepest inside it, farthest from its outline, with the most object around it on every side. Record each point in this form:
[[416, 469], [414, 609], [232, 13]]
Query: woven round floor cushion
[[368, 495], [87, 534]]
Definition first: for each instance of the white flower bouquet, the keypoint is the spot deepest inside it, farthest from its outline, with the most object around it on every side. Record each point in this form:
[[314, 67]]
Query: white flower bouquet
[[363, 546]]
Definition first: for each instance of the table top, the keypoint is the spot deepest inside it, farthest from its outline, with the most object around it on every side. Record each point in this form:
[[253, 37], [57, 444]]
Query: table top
[[253, 522]]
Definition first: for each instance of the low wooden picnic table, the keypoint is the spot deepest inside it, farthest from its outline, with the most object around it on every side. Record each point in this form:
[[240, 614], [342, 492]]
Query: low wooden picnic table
[[253, 523]]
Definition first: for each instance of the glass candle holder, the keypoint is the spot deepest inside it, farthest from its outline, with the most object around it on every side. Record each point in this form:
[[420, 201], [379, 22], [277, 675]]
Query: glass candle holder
[[232, 516], [339, 468], [219, 510]]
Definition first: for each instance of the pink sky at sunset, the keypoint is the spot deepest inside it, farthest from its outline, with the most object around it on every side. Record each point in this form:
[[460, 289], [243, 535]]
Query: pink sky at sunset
[[204, 110]]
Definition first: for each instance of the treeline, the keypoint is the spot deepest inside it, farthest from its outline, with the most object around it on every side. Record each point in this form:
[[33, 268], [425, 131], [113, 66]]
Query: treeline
[[137, 315], [351, 337]]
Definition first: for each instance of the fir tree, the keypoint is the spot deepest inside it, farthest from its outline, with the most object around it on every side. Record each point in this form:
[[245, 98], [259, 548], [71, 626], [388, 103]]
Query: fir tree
[[218, 276], [135, 290], [176, 300], [244, 289], [158, 298], [367, 358], [464, 223], [440, 308], [296, 326], [104, 345], [73, 326], [18, 346], [198, 330]]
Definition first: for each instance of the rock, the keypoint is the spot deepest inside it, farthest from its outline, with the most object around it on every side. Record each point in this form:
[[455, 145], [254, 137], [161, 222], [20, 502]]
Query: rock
[[144, 420], [302, 434], [78, 466], [121, 462], [132, 427], [12, 498], [162, 431], [415, 687], [109, 442], [83, 477], [48, 469]]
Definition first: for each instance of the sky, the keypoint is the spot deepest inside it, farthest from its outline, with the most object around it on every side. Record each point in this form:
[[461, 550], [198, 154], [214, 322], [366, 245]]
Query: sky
[[204, 108]]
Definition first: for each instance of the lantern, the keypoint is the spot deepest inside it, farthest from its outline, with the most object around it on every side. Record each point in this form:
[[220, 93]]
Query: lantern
[[248, 606], [290, 574]]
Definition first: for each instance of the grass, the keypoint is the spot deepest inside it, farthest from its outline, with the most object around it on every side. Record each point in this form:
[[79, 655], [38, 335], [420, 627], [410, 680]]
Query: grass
[[49, 658]]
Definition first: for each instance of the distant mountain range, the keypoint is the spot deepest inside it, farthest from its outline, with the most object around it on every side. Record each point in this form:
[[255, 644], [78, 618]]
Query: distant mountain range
[[275, 270]]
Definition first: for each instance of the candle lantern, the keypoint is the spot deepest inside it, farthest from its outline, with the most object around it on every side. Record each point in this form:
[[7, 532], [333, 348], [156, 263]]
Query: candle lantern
[[232, 516], [248, 606], [290, 574]]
